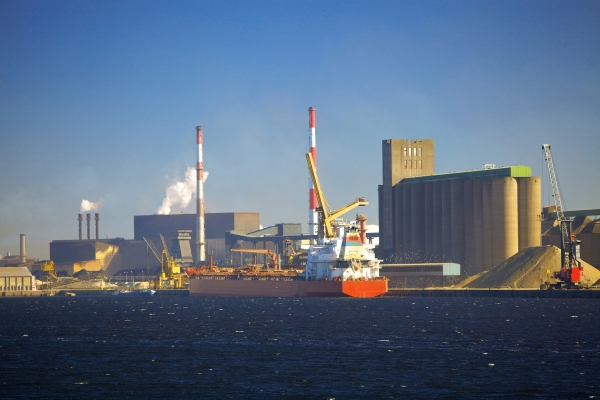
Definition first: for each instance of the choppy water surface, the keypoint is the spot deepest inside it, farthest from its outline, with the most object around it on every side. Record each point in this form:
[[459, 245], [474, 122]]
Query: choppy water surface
[[188, 347]]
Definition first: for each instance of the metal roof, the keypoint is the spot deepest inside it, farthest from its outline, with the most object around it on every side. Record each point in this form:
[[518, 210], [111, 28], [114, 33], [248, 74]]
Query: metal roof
[[516, 171], [14, 271]]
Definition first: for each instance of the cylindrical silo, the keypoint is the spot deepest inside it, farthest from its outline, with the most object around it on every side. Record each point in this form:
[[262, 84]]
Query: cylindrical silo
[[437, 221], [417, 201], [505, 219], [530, 205], [407, 219], [428, 193], [469, 229], [486, 191], [457, 221], [446, 221], [398, 219], [478, 225]]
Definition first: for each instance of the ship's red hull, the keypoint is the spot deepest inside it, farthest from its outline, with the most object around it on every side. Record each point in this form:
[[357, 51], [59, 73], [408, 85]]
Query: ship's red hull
[[282, 288]]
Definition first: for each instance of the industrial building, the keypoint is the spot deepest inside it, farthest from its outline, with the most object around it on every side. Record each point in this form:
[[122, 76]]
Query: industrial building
[[13, 279], [401, 159], [115, 255], [475, 218], [215, 224]]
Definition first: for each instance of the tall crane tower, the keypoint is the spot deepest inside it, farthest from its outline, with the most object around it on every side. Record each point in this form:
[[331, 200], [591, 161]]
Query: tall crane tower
[[571, 270]]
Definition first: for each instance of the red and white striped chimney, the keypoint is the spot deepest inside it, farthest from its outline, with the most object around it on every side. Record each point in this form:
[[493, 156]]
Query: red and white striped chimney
[[200, 250], [313, 217]]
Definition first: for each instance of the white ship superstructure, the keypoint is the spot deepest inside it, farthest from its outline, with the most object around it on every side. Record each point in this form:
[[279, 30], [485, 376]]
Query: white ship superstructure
[[345, 258]]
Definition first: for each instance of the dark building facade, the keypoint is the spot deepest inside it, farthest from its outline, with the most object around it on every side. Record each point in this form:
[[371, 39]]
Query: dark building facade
[[401, 158], [215, 226]]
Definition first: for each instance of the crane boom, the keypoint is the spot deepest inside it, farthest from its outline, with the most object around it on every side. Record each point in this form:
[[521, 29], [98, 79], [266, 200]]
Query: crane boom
[[153, 250], [326, 216], [164, 243], [560, 215]]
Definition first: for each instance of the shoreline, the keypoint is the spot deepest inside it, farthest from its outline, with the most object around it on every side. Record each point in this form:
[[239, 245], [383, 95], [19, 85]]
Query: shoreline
[[394, 292]]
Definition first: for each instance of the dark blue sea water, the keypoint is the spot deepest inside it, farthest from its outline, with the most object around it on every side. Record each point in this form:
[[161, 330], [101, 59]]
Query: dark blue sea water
[[189, 347]]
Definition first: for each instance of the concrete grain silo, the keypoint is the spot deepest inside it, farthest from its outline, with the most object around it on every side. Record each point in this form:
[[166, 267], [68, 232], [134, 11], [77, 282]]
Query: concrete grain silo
[[446, 219], [399, 219], [437, 219], [429, 214], [505, 219], [417, 201], [530, 205], [457, 220], [486, 191], [478, 260], [407, 219], [469, 227]]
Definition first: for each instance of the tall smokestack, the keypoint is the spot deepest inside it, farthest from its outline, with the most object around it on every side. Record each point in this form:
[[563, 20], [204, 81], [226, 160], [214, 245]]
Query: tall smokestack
[[200, 251], [80, 219], [97, 218], [23, 248], [88, 218], [313, 217]]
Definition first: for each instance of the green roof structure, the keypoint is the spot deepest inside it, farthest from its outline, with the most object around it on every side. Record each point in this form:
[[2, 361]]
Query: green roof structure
[[516, 171]]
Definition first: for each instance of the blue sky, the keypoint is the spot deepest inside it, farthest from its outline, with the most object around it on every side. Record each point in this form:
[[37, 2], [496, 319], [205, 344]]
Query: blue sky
[[99, 100]]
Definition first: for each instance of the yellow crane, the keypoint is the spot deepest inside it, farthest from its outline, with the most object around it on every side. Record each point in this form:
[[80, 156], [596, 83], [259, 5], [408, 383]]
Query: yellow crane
[[49, 268], [169, 268], [326, 215]]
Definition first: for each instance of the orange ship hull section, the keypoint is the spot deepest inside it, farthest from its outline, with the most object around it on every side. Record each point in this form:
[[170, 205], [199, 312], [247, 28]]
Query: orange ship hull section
[[365, 288], [270, 288]]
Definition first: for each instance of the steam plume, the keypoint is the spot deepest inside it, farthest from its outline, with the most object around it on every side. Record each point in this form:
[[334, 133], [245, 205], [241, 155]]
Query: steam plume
[[87, 205], [181, 193]]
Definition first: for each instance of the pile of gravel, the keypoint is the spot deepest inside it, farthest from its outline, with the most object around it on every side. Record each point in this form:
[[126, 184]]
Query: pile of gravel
[[527, 270]]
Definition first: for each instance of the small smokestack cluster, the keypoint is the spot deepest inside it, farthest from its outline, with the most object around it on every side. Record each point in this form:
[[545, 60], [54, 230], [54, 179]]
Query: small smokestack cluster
[[23, 248], [200, 250], [88, 219]]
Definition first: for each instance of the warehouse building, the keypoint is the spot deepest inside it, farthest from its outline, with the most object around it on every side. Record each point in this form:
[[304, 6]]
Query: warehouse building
[[16, 279]]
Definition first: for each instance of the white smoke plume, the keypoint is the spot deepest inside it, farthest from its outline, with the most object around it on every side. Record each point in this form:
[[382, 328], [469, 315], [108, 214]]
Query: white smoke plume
[[87, 205], [181, 193]]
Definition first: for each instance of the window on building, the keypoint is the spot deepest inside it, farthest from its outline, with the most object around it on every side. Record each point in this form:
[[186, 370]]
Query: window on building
[[405, 164], [410, 151], [420, 151], [405, 152], [410, 164], [420, 164], [415, 151]]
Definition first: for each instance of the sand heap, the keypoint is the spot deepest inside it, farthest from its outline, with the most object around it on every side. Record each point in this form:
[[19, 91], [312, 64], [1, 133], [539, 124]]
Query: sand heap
[[527, 269]]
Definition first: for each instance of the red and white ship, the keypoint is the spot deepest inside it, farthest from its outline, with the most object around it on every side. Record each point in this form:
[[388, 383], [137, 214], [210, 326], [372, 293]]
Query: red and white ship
[[341, 267]]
